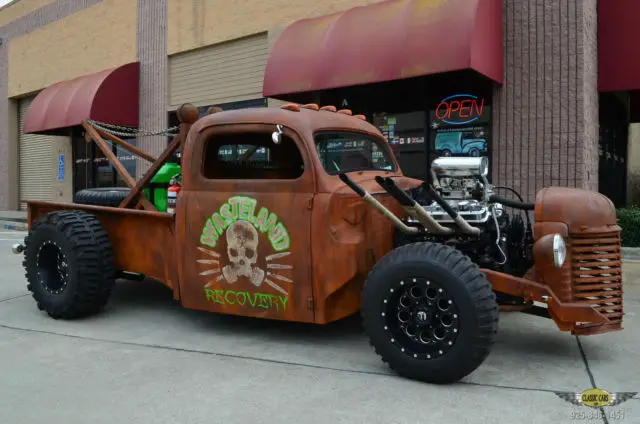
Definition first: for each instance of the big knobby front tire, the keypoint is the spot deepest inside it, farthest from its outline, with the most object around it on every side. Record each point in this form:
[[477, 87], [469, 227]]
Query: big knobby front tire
[[69, 264], [429, 312]]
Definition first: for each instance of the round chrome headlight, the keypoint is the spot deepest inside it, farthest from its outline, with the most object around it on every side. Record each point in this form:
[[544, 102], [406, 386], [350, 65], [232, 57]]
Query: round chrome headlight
[[559, 251]]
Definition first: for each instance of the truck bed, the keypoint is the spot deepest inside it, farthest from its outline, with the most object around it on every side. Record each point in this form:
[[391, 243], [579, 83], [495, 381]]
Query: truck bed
[[143, 242]]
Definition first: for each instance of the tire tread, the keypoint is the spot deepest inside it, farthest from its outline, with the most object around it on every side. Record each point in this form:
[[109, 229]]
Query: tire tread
[[94, 258], [487, 310]]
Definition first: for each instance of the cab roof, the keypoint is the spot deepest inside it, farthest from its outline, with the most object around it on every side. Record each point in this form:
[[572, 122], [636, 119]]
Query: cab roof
[[304, 119]]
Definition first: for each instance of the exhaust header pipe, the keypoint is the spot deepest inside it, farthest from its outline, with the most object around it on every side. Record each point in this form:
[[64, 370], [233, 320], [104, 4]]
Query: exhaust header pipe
[[412, 208], [378, 206], [464, 225], [17, 248]]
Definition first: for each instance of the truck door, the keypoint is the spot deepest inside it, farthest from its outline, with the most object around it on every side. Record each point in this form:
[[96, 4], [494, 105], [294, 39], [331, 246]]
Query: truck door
[[248, 224]]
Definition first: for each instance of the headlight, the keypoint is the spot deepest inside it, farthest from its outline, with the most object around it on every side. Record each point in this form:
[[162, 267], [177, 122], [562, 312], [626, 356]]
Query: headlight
[[559, 251]]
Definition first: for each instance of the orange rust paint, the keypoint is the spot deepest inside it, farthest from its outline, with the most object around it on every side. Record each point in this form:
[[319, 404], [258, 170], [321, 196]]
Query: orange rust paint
[[189, 252], [292, 107]]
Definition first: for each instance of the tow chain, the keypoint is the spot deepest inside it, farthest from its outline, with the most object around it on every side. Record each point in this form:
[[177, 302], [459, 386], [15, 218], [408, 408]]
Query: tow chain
[[128, 132]]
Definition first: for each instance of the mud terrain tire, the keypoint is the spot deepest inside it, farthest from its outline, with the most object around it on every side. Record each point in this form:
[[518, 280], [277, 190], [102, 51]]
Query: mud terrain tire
[[429, 312], [108, 196], [69, 264]]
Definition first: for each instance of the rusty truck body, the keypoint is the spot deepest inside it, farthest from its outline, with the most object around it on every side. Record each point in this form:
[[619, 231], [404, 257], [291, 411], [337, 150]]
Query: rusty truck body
[[309, 234]]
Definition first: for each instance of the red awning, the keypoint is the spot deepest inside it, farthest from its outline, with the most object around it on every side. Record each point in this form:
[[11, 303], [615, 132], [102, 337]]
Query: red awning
[[387, 41], [110, 96], [618, 47]]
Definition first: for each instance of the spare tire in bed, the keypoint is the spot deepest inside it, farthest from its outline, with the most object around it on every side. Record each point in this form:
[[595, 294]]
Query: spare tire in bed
[[106, 196]]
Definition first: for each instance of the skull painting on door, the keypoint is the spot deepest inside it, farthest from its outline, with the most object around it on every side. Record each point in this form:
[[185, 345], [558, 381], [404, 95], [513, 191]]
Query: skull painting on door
[[242, 249], [237, 224]]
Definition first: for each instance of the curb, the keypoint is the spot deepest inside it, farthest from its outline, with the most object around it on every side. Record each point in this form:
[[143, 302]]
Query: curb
[[631, 254], [13, 225]]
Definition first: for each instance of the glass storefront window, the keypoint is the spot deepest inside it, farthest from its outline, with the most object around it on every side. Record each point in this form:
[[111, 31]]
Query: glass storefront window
[[460, 126], [401, 128], [128, 159], [93, 170], [406, 134]]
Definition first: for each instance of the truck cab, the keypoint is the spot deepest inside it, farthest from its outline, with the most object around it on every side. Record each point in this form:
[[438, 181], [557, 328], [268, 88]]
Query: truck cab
[[268, 228]]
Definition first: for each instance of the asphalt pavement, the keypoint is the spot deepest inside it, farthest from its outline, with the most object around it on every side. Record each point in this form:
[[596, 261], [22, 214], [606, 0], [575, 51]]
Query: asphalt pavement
[[147, 360]]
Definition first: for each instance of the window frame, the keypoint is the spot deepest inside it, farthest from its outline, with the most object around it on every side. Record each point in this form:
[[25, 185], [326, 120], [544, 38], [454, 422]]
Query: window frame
[[196, 178], [383, 144]]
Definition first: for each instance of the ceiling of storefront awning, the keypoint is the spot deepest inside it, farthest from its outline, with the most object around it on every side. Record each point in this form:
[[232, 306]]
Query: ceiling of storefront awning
[[387, 41], [109, 96], [618, 47]]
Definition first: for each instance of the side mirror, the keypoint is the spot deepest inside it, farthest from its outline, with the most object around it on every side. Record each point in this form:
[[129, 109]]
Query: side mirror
[[276, 136]]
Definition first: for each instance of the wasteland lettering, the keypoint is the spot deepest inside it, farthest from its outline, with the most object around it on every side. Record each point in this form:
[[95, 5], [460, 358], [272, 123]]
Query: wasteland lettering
[[244, 298], [241, 208]]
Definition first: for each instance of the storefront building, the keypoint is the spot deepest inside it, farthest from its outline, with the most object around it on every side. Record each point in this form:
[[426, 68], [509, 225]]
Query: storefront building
[[545, 89]]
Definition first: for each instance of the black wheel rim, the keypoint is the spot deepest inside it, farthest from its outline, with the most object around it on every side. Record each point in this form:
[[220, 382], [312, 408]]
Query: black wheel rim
[[420, 318], [53, 267]]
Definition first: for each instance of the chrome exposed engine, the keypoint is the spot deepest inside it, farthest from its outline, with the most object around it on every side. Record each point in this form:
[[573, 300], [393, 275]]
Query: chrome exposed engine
[[462, 183], [473, 211], [471, 217]]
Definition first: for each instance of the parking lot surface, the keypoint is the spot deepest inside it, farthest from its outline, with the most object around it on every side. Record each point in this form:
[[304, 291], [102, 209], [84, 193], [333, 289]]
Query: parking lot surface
[[147, 360]]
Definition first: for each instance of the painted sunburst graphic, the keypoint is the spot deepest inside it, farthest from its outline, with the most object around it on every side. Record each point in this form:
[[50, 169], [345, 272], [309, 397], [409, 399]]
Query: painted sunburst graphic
[[243, 263]]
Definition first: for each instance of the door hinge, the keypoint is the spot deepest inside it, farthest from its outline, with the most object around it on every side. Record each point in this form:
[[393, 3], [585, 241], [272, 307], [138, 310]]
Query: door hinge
[[310, 203], [310, 303]]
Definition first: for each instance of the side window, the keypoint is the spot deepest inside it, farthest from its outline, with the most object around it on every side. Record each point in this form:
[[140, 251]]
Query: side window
[[251, 156]]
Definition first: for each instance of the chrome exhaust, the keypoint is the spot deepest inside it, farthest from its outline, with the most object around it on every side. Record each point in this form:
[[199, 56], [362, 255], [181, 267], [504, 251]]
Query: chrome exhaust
[[460, 221], [412, 207], [378, 206]]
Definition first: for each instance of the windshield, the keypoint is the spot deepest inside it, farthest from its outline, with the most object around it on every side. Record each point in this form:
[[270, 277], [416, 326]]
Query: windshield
[[342, 151]]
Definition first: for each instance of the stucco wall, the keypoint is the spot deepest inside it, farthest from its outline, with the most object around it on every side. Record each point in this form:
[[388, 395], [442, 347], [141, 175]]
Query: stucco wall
[[546, 113], [8, 197], [96, 38], [20, 8], [49, 12], [197, 23]]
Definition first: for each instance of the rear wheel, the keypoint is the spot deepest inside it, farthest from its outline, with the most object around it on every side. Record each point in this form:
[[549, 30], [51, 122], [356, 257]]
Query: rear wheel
[[69, 263], [429, 312]]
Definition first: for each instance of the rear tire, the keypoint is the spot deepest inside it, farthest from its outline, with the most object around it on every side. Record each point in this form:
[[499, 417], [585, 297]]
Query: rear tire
[[69, 264], [429, 312]]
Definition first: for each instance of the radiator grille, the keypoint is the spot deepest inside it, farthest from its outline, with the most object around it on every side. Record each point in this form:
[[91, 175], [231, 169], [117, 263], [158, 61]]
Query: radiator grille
[[597, 272]]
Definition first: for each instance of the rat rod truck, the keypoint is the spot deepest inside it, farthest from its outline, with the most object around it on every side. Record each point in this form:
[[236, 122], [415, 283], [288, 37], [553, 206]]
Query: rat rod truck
[[301, 213]]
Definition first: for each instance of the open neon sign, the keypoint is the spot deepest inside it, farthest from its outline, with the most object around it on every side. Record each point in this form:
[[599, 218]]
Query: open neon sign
[[460, 109]]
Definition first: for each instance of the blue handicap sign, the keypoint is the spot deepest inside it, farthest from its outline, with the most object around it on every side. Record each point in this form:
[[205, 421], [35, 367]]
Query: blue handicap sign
[[61, 167]]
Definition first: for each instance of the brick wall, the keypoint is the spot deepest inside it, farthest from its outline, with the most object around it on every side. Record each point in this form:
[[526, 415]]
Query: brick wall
[[546, 113], [152, 55]]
